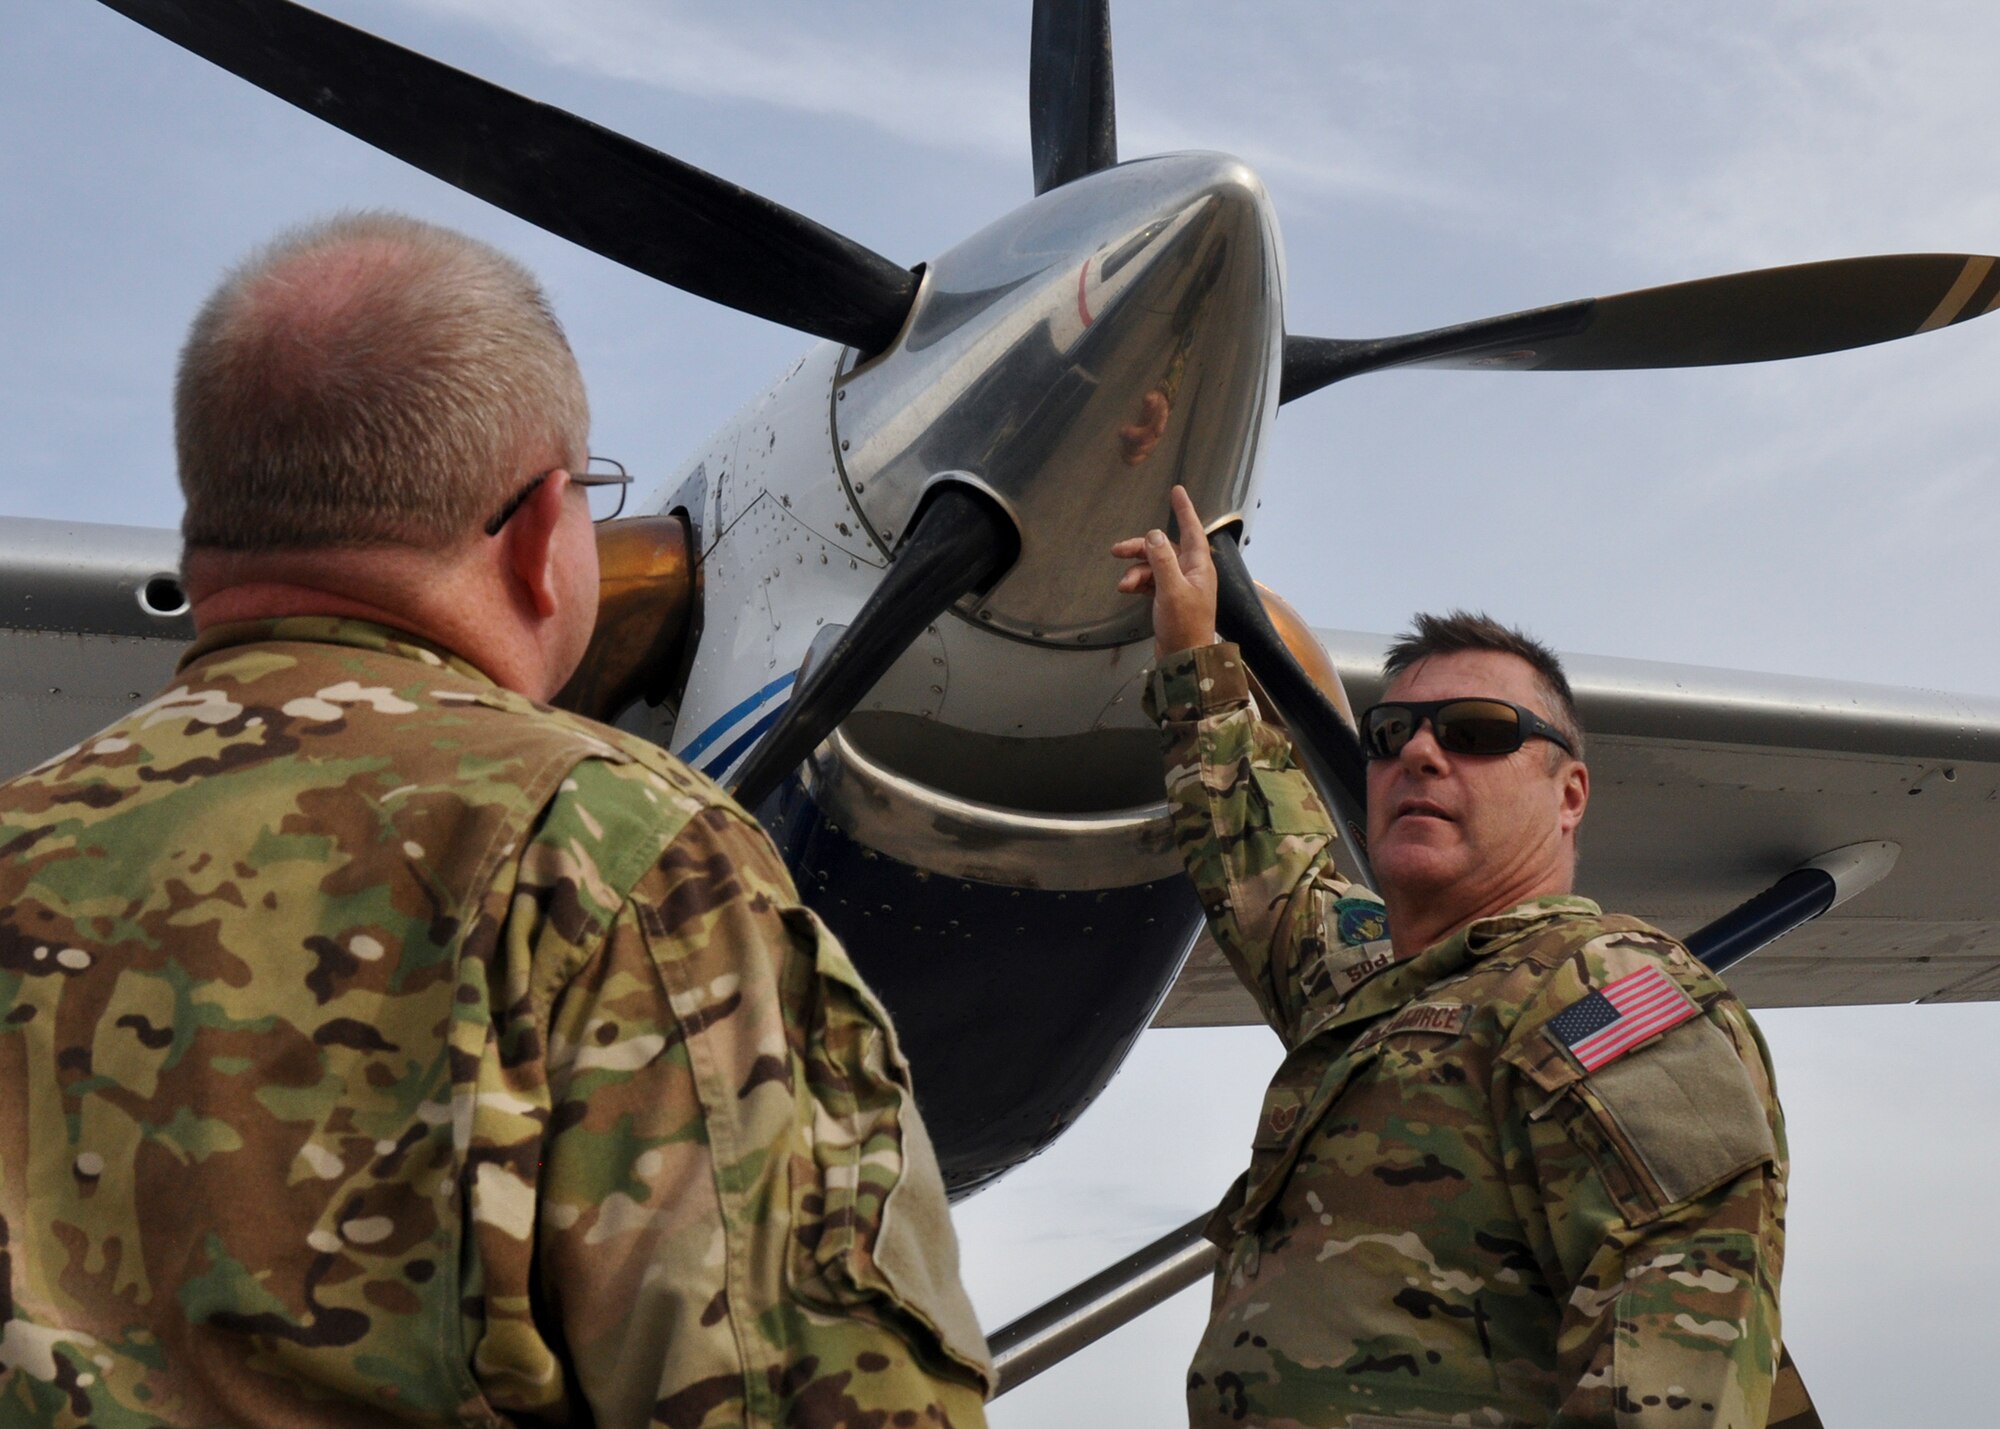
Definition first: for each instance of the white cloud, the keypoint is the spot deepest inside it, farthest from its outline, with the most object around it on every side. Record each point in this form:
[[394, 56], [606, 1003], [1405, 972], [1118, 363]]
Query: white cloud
[[918, 86], [798, 62], [1848, 120]]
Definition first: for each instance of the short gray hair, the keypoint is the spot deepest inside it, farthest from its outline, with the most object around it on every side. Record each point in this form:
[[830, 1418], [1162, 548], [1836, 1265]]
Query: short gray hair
[[370, 379]]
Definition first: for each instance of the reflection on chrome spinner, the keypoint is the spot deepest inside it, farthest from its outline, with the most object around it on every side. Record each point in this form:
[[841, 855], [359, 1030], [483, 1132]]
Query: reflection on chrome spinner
[[1076, 359]]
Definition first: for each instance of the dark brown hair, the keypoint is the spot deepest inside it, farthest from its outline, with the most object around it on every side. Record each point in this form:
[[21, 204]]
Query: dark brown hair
[[1462, 630]]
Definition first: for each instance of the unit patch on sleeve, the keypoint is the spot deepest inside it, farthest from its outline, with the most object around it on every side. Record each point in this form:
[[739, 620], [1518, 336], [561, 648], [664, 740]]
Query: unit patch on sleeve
[[1615, 1019], [1360, 920]]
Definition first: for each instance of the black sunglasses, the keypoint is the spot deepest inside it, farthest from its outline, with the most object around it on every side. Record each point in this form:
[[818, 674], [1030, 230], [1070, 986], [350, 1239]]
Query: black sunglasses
[[604, 489], [1468, 725]]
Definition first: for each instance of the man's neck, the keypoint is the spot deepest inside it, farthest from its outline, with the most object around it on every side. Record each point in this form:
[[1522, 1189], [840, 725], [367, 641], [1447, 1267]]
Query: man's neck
[[445, 602], [275, 600], [1417, 922]]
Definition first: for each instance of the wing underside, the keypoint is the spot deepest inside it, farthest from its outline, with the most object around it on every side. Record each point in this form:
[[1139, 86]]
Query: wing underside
[[91, 622], [1707, 784]]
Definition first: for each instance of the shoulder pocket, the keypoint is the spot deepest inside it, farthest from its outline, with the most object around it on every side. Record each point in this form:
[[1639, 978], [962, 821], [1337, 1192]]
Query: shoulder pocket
[[1664, 1123], [1289, 802], [871, 1230], [1686, 1107]]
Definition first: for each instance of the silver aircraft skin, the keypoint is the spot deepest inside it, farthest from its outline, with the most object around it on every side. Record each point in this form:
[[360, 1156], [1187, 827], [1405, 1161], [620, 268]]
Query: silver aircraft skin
[[1707, 784], [1029, 348], [1007, 745]]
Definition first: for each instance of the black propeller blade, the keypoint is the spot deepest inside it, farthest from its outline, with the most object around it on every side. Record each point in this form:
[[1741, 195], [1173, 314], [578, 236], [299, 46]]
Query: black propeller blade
[[635, 205], [1072, 120], [1758, 316], [1326, 747], [961, 541]]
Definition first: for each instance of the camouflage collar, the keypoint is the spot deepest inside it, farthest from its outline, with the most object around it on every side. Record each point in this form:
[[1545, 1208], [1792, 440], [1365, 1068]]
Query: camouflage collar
[[329, 630], [1482, 935], [1379, 983]]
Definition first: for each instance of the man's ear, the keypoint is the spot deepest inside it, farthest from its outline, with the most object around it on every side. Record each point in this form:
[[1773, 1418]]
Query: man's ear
[[531, 542], [1575, 793]]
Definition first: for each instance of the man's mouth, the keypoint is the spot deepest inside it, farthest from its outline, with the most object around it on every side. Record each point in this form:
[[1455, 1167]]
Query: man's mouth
[[1421, 809]]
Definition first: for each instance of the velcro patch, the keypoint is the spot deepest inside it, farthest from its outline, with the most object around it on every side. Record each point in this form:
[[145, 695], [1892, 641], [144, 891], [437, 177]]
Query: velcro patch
[[1360, 920], [1445, 1019], [1683, 1116], [1619, 1016]]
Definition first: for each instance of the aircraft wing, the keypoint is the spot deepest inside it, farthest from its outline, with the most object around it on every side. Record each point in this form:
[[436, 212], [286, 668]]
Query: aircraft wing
[[1708, 785], [91, 622]]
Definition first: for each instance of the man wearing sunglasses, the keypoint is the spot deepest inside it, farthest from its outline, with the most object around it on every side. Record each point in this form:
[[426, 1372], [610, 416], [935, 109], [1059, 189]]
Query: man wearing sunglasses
[[1523, 1163], [378, 1044]]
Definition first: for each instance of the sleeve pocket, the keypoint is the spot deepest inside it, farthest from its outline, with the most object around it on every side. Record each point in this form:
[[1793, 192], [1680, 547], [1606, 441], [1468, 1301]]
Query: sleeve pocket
[[1687, 1109], [1661, 1124], [871, 1231], [1290, 805]]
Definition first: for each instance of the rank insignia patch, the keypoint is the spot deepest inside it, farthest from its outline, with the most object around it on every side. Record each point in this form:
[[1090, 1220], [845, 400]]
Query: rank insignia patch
[[1360, 920], [1611, 1022]]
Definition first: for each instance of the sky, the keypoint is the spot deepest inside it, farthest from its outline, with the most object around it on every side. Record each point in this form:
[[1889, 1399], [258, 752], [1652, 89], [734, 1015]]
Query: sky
[[1430, 162]]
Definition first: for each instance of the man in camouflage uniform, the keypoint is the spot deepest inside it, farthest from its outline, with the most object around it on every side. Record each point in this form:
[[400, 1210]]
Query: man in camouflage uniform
[[378, 1044], [1523, 1163]]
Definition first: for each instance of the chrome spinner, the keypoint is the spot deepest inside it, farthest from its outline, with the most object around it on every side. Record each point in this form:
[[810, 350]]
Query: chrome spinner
[[1075, 360]]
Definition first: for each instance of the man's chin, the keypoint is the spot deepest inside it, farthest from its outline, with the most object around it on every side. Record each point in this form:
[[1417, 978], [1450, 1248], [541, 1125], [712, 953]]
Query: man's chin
[[1415, 866]]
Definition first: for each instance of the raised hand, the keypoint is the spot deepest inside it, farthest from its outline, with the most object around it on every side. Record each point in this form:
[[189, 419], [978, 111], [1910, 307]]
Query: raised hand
[[1180, 579]]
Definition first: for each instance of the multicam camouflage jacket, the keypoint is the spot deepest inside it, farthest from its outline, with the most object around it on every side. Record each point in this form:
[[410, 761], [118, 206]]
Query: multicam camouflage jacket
[[1488, 1187], [376, 1045]]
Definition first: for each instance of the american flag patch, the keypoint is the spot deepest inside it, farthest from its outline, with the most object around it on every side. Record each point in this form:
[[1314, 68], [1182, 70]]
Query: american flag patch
[[1611, 1022]]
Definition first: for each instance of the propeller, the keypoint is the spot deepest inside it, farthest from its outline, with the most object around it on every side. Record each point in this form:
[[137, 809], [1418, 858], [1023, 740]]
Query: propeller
[[1320, 733], [578, 180], [1072, 119], [1760, 316], [961, 541]]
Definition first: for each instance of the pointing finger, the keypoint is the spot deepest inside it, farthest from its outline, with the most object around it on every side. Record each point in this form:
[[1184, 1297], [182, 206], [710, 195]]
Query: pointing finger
[[1194, 540]]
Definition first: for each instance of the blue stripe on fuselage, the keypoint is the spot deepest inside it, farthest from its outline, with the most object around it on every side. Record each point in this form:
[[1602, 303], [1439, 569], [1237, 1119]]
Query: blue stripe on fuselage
[[713, 769], [721, 726]]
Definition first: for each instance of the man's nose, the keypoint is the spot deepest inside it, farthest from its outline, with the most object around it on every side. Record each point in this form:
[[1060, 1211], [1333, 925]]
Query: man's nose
[[1421, 750]]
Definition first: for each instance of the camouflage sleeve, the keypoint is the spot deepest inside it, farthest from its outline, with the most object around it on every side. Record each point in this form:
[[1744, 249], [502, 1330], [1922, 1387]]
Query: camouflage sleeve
[[1257, 842], [1658, 1180], [740, 1220]]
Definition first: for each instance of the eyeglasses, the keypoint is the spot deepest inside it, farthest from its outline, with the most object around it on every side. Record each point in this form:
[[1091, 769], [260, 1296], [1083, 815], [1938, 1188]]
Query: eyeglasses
[[605, 490], [1463, 726]]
